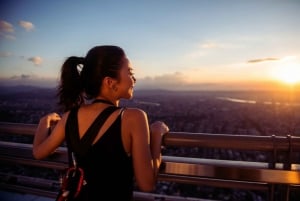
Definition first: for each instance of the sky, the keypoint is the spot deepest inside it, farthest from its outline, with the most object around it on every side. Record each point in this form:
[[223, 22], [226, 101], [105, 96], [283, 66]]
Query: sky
[[172, 44]]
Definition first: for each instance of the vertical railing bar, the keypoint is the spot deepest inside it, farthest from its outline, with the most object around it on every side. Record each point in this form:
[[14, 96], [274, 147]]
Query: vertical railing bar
[[272, 166]]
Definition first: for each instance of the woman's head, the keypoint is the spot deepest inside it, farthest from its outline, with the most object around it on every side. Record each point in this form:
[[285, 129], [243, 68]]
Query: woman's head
[[100, 62], [85, 75]]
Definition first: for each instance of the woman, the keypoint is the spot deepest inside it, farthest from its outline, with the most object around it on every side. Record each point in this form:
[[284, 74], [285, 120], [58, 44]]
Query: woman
[[124, 152]]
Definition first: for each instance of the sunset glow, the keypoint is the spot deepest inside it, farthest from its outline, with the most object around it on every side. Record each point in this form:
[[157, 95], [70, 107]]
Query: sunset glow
[[208, 45], [289, 73]]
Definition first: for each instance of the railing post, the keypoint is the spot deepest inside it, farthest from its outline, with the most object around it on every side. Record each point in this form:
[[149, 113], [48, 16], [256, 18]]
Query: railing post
[[274, 154], [285, 189], [287, 162], [272, 163]]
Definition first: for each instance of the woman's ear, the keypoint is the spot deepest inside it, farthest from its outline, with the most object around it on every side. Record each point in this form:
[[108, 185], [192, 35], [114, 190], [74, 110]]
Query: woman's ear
[[109, 82]]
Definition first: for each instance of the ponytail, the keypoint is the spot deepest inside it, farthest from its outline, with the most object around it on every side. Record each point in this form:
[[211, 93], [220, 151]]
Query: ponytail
[[70, 87], [100, 61]]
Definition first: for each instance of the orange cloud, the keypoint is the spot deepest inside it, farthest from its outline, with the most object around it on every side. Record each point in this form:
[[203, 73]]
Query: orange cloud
[[28, 26], [6, 27], [36, 60], [6, 30]]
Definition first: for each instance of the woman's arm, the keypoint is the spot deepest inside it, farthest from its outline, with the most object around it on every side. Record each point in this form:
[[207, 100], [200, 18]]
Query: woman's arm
[[146, 148], [45, 143], [157, 130]]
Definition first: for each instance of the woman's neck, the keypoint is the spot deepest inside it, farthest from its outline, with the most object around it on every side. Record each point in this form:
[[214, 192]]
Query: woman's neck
[[106, 100]]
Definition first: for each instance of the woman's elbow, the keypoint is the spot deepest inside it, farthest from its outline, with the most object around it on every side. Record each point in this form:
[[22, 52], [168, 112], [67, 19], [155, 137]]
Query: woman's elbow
[[146, 185], [36, 154], [147, 188]]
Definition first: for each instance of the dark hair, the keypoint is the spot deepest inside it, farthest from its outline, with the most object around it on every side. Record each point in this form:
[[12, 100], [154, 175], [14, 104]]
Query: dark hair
[[100, 62]]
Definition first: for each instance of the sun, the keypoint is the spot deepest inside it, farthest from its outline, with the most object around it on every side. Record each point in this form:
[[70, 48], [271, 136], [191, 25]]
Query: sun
[[288, 73]]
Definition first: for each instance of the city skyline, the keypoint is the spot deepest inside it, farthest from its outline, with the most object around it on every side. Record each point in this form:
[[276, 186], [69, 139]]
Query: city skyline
[[171, 44]]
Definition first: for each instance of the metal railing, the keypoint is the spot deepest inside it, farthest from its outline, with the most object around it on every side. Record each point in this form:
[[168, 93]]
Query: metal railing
[[277, 175]]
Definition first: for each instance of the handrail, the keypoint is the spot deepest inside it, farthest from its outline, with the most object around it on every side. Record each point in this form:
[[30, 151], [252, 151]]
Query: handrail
[[226, 141], [197, 171], [17, 128]]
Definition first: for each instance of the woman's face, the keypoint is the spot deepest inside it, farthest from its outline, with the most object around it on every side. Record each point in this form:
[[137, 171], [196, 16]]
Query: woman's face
[[126, 81]]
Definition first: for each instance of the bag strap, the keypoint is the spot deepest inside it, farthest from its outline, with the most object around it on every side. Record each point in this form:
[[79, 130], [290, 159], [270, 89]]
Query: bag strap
[[85, 143]]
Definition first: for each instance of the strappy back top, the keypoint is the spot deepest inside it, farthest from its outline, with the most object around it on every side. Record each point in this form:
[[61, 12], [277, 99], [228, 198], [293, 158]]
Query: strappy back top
[[107, 166]]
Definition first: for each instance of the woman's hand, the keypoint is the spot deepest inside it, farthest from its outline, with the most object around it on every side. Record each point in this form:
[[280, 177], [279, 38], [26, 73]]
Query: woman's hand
[[159, 127], [50, 120], [44, 143]]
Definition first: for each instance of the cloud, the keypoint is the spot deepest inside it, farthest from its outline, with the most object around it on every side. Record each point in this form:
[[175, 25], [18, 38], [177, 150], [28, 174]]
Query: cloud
[[6, 27], [216, 45], [5, 54], [6, 30], [173, 82], [166, 81], [21, 77], [29, 79], [168, 78], [36, 60], [28, 26], [9, 37], [210, 45], [262, 60]]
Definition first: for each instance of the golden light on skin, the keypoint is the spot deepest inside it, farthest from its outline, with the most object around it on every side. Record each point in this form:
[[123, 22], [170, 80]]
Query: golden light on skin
[[288, 73]]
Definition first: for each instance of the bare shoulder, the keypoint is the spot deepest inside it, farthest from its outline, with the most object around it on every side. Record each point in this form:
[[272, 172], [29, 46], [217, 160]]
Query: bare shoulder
[[134, 114], [64, 117]]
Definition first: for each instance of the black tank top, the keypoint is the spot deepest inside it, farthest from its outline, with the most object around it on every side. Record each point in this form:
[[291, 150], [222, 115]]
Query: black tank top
[[108, 168]]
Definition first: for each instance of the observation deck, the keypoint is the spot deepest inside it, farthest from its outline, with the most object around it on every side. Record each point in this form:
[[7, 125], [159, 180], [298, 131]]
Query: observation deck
[[269, 165]]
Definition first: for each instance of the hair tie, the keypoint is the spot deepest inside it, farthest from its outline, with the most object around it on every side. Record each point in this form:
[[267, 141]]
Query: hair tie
[[80, 64], [79, 68]]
